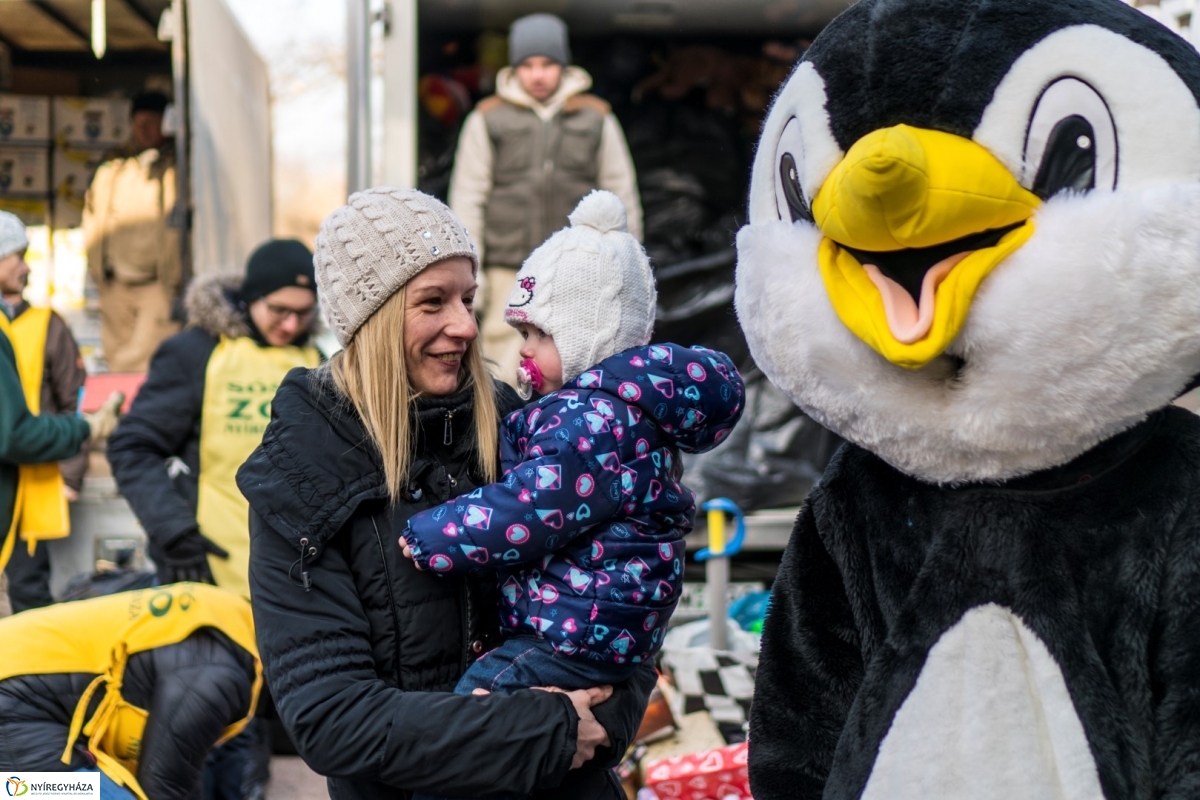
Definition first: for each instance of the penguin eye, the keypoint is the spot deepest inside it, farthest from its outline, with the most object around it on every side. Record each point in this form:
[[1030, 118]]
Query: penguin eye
[[789, 196], [1071, 144]]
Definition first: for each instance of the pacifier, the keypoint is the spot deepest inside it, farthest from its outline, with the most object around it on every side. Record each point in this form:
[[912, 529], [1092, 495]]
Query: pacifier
[[529, 379]]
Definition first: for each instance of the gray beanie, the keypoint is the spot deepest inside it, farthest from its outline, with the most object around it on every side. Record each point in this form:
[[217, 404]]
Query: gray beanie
[[538, 35], [12, 234], [369, 248]]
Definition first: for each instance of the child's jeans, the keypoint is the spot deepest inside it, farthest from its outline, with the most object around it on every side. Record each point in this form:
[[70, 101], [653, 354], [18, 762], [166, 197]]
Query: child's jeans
[[525, 661]]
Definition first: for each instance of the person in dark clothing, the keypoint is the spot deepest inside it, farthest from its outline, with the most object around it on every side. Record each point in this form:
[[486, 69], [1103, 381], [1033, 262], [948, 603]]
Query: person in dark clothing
[[178, 472], [139, 685], [201, 411], [361, 650]]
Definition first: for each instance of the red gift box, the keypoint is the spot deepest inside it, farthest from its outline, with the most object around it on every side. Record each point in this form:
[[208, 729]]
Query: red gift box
[[709, 775]]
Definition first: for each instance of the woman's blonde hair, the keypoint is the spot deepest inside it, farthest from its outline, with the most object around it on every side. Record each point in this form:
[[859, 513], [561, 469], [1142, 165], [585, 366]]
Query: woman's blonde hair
[[371, 374]]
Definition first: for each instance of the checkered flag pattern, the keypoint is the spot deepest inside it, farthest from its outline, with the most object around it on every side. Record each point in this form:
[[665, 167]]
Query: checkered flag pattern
[[721, 683]]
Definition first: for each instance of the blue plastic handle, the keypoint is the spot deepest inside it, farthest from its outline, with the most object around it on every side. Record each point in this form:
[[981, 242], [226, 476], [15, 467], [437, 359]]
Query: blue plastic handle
[[734, 545]]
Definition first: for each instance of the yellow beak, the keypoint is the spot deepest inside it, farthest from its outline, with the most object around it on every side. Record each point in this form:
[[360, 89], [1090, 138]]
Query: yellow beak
[[905, 195]]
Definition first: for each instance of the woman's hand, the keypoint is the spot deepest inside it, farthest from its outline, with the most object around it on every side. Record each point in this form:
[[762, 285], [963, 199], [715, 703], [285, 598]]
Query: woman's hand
[[590, 734]]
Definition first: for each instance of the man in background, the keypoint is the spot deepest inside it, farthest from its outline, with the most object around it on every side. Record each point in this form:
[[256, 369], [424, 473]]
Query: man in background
[[133, 253], [44, 347], [526, 157]]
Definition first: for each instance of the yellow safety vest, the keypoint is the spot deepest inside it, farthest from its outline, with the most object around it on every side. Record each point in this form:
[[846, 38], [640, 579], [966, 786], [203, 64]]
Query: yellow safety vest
[[239, 385], [97, 637], [40, 511]]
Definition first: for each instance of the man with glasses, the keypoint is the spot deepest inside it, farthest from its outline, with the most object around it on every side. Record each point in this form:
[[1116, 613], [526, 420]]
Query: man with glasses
[[202, 410]]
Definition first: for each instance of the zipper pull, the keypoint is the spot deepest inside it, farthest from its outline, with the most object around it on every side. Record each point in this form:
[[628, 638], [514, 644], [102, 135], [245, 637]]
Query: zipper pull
[[448, 431]]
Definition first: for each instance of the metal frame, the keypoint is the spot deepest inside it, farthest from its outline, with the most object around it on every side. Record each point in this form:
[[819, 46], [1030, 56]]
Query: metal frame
[[54, 14], [358, 95], [181, 215]]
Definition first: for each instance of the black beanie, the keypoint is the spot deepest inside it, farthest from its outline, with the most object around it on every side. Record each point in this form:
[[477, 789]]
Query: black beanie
[[149, 101], [275, 265]]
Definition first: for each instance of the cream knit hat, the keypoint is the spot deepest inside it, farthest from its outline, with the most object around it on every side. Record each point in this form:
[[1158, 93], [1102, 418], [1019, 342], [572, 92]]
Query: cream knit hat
[[589, 286], [370, 247]]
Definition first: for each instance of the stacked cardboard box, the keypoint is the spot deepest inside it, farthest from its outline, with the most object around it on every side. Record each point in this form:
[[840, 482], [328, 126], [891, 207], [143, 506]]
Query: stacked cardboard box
[[86, 130], [49, 151], [25, 157]]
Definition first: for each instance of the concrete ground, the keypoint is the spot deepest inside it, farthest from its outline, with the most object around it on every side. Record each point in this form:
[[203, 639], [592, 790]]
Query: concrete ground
[[291, 779]]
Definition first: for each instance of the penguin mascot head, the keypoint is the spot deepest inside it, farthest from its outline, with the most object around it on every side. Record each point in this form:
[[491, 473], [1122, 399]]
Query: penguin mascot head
[[973, 246]]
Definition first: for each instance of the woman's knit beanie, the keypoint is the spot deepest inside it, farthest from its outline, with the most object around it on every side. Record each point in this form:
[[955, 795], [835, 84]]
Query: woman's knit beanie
[[589, 286], [370, 247]]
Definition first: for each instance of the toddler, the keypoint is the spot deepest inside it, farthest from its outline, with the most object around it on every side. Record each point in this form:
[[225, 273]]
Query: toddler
[[585, 531]]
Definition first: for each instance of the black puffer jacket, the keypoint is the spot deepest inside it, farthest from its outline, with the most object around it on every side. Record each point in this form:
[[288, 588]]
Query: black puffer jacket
[[155, 451], [192, 690], [359, 664]]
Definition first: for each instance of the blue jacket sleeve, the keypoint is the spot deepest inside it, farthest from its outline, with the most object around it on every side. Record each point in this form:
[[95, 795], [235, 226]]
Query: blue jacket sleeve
[[541, 504]]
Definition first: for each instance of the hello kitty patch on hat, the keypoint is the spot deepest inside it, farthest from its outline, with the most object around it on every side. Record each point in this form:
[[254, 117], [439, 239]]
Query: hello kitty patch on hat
[[589, 286]]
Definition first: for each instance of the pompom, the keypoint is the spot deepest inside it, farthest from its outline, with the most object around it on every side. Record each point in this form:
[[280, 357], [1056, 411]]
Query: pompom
[[601, 210]]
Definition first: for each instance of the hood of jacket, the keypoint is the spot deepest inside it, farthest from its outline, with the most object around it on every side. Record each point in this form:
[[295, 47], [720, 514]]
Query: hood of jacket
[[693, 394], [212, 306], [316, 464], [575, 80]]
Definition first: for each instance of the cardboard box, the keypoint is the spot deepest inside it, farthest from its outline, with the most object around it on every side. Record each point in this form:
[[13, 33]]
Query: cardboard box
[[24, 171], [73, 168], [24, 119], [91, 122], [710, 775], [31, 211]]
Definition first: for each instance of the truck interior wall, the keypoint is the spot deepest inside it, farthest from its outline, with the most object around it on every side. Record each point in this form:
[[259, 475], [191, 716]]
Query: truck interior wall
[[691, 109]]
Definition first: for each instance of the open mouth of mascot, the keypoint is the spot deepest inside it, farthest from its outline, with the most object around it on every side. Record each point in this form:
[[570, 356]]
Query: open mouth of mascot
[[947, 269]]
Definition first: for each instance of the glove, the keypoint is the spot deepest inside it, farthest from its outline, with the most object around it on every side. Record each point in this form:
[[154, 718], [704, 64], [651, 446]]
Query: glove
[[186, 558], [103, 421]]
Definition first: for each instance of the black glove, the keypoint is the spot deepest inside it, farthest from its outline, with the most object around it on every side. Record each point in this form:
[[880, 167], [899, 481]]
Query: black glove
[[186, 558]]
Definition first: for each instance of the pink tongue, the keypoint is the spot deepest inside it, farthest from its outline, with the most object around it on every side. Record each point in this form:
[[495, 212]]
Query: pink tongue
[[907, 321]]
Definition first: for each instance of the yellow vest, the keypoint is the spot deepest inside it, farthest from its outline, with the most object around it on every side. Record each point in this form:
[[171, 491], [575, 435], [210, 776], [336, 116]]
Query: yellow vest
[[97, 637], [239, 384], [40, 511]]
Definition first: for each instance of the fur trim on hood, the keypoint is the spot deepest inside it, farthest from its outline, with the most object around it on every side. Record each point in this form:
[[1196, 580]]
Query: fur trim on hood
[[575, 80], [210, 309]]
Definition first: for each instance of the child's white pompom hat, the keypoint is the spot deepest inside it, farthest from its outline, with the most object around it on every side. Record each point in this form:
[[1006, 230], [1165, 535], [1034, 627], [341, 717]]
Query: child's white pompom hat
[[589, 286]]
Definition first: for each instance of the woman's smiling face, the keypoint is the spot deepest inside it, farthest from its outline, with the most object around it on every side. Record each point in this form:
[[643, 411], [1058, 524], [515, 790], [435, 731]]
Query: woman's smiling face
[[439, 325]]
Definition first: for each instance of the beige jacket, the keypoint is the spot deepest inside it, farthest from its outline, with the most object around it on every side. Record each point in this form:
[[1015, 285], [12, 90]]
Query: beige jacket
[[471, 181], [125, 221]]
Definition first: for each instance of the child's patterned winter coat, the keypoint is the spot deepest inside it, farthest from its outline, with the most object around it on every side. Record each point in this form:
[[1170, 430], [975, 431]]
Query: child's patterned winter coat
[[586, 529]]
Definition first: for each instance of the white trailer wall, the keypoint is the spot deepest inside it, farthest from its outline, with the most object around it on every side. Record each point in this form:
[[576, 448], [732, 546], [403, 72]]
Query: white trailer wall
[[231, 141]]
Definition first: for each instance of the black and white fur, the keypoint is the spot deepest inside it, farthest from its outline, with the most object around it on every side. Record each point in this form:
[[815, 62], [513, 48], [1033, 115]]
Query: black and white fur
[[994, 592]]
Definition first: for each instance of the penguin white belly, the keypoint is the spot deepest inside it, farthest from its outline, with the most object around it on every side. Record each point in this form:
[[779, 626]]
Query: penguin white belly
[[989, 718]]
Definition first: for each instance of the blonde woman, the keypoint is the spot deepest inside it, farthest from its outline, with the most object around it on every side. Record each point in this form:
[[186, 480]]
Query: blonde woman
[[360, 649]]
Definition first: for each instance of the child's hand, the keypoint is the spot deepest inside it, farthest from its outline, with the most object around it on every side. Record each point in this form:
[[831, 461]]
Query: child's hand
[[408, 553]]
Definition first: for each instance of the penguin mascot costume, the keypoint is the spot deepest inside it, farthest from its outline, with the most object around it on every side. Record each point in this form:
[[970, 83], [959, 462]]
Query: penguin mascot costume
[[974, 252]]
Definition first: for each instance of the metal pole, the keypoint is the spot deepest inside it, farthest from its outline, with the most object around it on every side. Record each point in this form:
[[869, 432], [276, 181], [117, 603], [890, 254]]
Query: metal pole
[[358, 95], [716, 573], [181, 215]]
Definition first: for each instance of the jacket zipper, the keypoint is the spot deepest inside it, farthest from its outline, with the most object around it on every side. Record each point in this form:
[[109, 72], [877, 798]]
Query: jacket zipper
[[448, 430], [387, 577]]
